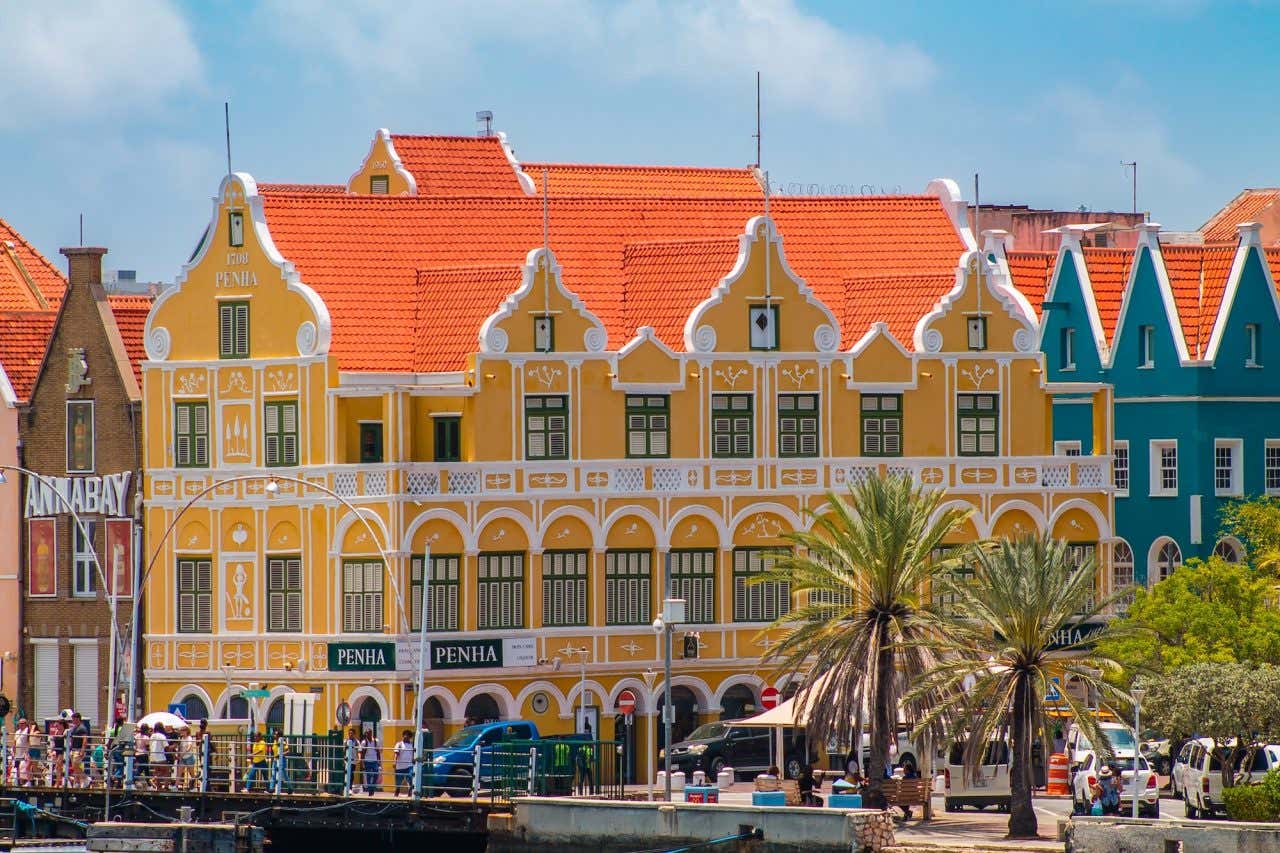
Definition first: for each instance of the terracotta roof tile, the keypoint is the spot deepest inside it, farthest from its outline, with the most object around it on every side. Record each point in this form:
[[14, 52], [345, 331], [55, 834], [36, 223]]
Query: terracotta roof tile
[[1273, 261], [573, 179], [1198, 277], [1030, 272], [1221, 227], [338, 189], [666, 281], [363, 254], [899, 301], [1109, 275], [24, 336], [458, 165], [464, 293], [15, 289], [131, 312]]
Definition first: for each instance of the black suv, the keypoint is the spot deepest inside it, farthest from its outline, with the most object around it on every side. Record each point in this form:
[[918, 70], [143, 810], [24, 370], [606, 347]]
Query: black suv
[[715, 746]]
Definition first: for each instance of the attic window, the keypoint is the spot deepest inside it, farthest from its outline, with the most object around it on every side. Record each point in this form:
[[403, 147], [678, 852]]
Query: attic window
[[1253, 339], [235, 228], [544, 333], [764, 327], [379, 185], [1067, 350], [1146, 347], [977, 327]]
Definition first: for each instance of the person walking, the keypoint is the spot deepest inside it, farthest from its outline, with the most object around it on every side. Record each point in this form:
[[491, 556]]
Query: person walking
[[158, 759], [369, 749], [1107, 791], [257, 761], [141, 752], [404, 763]]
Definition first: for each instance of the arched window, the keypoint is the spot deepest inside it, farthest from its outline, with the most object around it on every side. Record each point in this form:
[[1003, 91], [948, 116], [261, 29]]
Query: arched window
[[275, 715], [236, 709], [196, 708], [1229, 549], [1121, 565], [1168, 557]]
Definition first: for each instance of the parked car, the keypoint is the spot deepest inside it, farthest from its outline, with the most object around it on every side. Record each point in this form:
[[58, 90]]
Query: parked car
[[453, 764], [989, 786], [1148, 787], [1178, 772], [1202, 781], [1266, 757], [714, 746], [1119, 735]]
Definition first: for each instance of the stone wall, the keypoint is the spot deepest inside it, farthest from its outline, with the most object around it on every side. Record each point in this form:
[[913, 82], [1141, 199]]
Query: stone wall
[[1112, 835]]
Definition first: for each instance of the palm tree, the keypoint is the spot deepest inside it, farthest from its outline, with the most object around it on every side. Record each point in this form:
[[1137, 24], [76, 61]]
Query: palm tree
[[861, 571], [999, 656]]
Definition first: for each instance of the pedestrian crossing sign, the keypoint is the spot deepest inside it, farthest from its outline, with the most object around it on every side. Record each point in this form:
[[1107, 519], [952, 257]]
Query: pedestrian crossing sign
[[1055, 693]]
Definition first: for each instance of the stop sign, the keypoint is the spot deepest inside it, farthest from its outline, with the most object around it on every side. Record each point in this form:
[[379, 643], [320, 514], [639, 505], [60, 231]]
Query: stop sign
[[627, 702], [769, 698]]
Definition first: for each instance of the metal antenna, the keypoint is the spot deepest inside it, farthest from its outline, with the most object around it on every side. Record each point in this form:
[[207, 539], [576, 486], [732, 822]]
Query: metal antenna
[[1133, 164], [977, 226], [546, 243], [226, 121], [768, 223], [82, 229], [757, 134]]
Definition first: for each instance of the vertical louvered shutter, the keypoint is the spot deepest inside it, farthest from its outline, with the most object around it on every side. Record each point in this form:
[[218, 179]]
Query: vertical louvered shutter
[[46, 686], [85, 680]]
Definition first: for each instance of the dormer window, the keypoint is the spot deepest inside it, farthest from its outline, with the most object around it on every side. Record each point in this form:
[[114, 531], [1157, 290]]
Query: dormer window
[[235, 228], [544, 333], [1146, 346], [977, 327], [379, 184], [764, 327], [1253, 340], [1067, 350]]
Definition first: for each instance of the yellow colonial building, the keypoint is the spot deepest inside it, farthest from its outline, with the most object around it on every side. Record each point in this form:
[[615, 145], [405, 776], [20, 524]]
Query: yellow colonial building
[[549, 404]]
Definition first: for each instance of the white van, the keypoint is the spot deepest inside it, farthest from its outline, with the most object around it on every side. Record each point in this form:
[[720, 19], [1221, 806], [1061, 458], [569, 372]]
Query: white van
[[1266, 757], [1202, 794], [1079, 747], [988, 786]]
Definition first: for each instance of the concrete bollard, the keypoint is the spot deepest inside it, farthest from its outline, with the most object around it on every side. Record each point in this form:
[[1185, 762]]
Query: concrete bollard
[[725, 778]]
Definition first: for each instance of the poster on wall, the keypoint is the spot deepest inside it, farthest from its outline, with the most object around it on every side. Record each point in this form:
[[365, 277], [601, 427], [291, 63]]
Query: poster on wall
[[119, 562], [42, 556], [79, 435]]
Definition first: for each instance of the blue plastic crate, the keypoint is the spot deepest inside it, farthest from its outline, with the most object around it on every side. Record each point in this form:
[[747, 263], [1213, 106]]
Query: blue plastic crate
[[768, 798], [844, 801]]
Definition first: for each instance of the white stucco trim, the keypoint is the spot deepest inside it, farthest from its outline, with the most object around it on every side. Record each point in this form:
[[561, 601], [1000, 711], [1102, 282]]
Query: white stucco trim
[[522, 521], [1149, 239], [199, 692], [722, 531], [957, 209], [506, 702], [656, 528], [493, 339], [1070, 251], [755, 682], [8, 398], [448, 516], [575, 512], [1099, 520], [1015, 305], [526, 182], [448, 703], [563, 709], [357, 696], [1250, 241], [701, 691], [397, 165]]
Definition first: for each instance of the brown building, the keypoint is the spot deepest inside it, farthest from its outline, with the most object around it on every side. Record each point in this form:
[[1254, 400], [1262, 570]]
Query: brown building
[[1028, 226], [80, 432]]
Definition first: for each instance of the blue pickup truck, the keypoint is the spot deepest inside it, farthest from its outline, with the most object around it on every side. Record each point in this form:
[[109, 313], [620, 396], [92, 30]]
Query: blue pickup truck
[[453, 763]]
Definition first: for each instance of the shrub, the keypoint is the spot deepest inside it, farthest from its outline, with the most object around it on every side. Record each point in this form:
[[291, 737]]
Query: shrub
[[1250, 803]]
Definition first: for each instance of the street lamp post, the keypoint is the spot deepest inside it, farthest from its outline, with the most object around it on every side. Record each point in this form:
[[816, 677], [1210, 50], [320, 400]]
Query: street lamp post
[[582, 686], [1137, 693], [672, 614], [419, 753]]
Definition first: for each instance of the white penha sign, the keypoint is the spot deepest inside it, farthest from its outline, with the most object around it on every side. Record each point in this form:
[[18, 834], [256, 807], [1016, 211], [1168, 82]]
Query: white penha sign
[[88, 495], [472, 654]]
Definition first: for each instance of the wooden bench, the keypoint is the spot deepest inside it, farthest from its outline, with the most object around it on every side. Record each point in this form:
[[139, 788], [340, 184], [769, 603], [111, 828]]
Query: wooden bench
[[906, 792]]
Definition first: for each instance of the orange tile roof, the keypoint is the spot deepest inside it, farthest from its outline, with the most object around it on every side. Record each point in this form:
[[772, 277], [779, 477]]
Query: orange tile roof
[[1273, 261], [899, 301], [302, 188], [666, 281], [131, 312], [1030, 272], [15, 291], [1109, 275], [573, 179], [458, 165], [363, 251], [1198, 277], [1221, 227], [466, 291], [24, 336]]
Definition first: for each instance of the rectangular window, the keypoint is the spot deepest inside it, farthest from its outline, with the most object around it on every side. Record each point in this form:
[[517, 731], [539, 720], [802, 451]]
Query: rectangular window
[[1164, 468], [379, 184], [442, 596], [1253, 338], [191, 435], [362, 599], [692, 574], [235, 228], [1081, 552], [546, 426], [977, 327], [979, 424], [628, 579], [1067, 350], [762, 602], [1227, 453], [732, 426], [881, 424], [764, 327], [233, 330], [501, 590], [1120, 468], [1066, 448], [1271, 464], [371, 442], [80, 431], [648, 426], [280, 422], [84, 568], [284, 594], [1146, 346], [544, 333], [447, 432], [797, 424], [195, 595], [564, 588]]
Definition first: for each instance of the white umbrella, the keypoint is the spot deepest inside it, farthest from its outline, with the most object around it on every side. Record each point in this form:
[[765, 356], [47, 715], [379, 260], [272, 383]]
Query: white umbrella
[[164, 718]]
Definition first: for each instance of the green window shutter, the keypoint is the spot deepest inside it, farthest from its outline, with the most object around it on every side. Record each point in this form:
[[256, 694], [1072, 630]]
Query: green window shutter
[[758, 602], [501, 590], [564, 588], [797, 425], [280, 430], [191, 435], [732, 426], [648, 426], [546, 426], [693, 578], [628, 587], [233, 330], [978, 424], [881, 416]]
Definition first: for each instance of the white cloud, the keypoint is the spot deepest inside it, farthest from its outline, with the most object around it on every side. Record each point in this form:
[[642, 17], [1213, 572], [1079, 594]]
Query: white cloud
[[65, 60], [703, 44]]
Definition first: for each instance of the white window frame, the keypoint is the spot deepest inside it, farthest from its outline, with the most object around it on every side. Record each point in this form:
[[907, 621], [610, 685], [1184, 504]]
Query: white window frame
[[1236, 447], [1067, 353], [1153, 559], [1253, 337], [1146, 347], [1119, 448], [84, 578], [1066, 448], [1231, 543], [1118, 564], [1158, 488], [1270, 454]]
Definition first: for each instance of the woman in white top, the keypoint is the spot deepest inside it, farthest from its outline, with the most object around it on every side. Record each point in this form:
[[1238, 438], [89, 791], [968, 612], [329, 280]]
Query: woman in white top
[[158, 760], [21, 752]]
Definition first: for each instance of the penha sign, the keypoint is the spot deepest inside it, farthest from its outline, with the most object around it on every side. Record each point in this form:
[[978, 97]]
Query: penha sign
[[362, 657], [481, 654]]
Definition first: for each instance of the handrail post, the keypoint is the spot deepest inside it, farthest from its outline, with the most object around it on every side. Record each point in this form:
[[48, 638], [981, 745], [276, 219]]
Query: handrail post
[[533, 767], [278, 763], [475, 776], [204, 763], [347, 759], [419, 756]]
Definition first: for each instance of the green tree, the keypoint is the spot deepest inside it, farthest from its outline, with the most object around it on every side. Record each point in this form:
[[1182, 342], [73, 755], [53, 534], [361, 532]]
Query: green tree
[[998, 659], [1213, 611], [1235, 704], [861, 572], [1256, 523]]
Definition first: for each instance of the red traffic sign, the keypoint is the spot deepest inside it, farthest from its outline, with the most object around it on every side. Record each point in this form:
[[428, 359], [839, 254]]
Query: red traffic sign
[[769, 698], [627, 702]]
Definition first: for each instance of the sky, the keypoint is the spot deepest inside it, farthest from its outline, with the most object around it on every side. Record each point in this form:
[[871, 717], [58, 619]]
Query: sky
[[114, 110]]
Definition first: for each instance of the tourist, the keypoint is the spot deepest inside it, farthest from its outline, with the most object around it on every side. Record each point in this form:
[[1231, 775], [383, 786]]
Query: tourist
[[369, 748], [204, 753], [353, 758], [78, 748], [117, 752], [808, 785], [57, 754], [186, 767], [257, 761], [1106, 792], [158, 758], [404, 763], [21, 752], [769, 780], [97, 763], [141, 750]]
